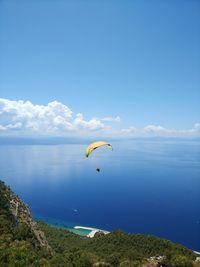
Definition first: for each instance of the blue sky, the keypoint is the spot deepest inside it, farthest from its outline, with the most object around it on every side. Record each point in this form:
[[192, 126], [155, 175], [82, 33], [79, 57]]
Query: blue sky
[[139, 60]]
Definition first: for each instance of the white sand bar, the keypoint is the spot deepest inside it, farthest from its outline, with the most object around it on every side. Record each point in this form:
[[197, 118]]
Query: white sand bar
[[93, 230]]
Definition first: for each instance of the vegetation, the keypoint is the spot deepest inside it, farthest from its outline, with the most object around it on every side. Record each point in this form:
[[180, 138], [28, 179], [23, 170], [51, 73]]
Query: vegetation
[[19, 247], [119, 248]]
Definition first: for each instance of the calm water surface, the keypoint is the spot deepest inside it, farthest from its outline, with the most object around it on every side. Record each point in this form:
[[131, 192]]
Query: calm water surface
[[144, 186]]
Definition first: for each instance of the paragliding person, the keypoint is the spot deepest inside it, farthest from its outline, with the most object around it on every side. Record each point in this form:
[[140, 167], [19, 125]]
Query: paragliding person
[[94, 146]]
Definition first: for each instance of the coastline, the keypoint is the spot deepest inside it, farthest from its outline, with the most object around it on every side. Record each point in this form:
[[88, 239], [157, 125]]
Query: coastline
[[93, 231], [70, 226], [81, 230]]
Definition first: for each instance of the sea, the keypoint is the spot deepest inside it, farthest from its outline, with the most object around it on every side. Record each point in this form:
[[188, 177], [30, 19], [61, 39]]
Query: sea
[[143, 187]]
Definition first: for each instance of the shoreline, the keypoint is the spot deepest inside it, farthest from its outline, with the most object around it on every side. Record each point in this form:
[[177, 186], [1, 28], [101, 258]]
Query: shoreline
[[93, 230], [70, 227]]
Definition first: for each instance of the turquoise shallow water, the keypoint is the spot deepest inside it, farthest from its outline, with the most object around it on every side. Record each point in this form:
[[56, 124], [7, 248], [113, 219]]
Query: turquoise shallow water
[[144, 186], [62, 224], [81, 232]]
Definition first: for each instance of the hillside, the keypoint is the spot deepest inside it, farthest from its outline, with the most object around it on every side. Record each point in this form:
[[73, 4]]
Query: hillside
[[25, 242]]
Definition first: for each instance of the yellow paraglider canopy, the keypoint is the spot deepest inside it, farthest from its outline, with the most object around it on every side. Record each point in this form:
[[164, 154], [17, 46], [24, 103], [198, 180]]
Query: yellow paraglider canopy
[[95, 145]]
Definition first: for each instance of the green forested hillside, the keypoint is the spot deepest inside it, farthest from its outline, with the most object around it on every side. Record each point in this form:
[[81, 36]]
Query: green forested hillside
[[20, 247], [118, 247]]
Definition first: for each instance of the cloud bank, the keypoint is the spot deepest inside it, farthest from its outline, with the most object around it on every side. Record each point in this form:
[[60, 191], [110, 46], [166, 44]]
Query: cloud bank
[[23, 118], [157, 130], [53, 119]]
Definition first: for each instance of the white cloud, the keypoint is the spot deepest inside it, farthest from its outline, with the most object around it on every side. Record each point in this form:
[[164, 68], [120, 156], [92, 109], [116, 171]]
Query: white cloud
[[22, 118], [53, 119], [130, 130], [93, 124], [111, 119], [197, 126], [154, 128], [157, 130], [2, 128]]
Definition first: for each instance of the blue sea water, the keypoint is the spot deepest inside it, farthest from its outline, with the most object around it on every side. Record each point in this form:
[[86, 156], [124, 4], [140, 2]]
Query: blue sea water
[[144, 186]]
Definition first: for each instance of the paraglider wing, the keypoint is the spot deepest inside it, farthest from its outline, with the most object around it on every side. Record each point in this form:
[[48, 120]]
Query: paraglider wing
[[96, 145]]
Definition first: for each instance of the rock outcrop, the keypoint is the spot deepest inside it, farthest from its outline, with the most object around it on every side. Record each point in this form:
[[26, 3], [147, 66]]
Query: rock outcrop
[[22, 214]]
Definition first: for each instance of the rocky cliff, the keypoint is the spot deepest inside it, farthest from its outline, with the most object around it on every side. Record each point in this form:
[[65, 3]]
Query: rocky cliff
[[21, 214]]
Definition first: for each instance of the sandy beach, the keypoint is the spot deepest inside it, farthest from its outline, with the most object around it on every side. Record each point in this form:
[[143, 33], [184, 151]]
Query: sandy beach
[[93, 230]]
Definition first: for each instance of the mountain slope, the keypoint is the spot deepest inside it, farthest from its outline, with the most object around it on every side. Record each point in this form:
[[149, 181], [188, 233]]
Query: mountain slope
[[25, 242]]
